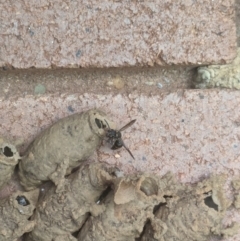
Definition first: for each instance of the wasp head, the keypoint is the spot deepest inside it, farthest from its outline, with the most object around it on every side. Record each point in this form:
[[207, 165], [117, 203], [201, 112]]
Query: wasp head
[[114, 137]]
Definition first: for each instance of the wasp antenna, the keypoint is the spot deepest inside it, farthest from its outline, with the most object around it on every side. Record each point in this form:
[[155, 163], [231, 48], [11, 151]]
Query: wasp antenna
[[128, 151], [127, 125]]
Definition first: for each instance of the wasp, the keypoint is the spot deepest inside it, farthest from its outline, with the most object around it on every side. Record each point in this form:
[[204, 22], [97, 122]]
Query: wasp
[[114, 137]]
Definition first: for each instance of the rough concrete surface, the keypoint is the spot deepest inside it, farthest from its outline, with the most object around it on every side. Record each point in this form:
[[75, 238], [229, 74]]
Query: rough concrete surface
[[116, 33]]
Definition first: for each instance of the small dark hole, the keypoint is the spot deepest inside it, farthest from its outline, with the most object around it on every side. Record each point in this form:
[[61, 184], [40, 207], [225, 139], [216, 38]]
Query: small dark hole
[[75, 234], [103, 195], [100, 124], [210, 203], [7, 151], [157, 207], [22, 200], [147, 228], [167, 196]]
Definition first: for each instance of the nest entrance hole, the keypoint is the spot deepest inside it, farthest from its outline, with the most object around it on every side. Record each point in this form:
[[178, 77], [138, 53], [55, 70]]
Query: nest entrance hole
[[22, 200], [210, 203], [7, 151]]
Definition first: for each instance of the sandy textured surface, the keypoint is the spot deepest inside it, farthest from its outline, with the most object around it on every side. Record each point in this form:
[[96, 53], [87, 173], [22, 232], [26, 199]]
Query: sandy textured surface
[[113, 34]]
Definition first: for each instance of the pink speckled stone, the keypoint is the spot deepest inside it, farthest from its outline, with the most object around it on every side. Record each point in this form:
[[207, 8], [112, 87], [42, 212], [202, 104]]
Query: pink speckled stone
[[191, 133], [45, 34]]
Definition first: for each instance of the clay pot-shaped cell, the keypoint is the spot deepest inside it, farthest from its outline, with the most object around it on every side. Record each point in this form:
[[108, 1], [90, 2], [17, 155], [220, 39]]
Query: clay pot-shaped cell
[[8, 160], [62, 147], [128, 207], [63, 213], [15, 212]]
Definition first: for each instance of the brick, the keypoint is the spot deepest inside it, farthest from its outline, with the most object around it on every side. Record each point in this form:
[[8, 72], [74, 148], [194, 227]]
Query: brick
[[47, 34], [192, 133]]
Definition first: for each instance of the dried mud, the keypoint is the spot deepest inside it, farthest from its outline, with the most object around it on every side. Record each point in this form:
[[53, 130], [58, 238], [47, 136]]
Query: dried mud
[[62, 147], [236, 186], [15, 212], [224, 76], [194, 214], [171, 211], [139, 207], [63, 213], [9, 158]]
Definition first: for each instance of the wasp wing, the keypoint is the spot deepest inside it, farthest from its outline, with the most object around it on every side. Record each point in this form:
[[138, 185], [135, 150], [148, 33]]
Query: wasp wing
[[127, 125]]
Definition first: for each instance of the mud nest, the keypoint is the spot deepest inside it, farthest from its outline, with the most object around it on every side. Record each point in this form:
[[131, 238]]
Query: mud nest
[[67, 198]]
